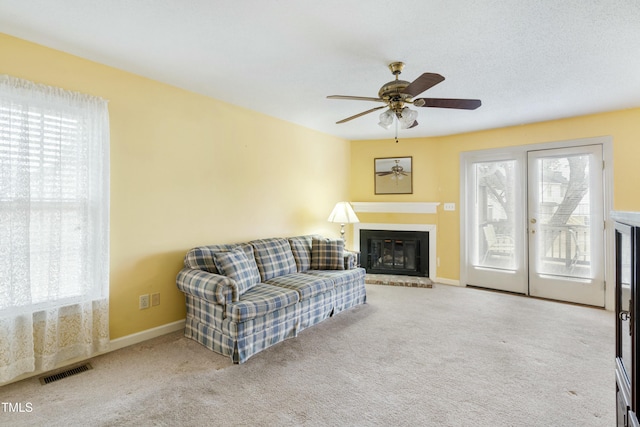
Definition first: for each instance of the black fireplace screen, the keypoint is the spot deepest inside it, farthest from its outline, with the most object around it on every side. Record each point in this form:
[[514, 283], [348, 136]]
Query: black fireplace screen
[[395, 252]]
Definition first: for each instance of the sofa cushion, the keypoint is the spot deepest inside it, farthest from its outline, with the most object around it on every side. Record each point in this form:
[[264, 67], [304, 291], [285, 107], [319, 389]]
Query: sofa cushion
[[260, 300], [236, 265], [306, 285], [201, 257], [273, 257], [327, 254], [301, 248], [340, 278]]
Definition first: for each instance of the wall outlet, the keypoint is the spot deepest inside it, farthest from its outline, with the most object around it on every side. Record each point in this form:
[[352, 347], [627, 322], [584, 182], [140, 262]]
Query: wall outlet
[[155, 299], [449, 206], [144, 301]]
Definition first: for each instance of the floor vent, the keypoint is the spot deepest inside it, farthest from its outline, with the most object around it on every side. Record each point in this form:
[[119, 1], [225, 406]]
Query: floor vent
[[66, 373]]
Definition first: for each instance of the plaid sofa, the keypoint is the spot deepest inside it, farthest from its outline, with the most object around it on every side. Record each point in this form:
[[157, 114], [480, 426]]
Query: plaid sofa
[[243, 298]]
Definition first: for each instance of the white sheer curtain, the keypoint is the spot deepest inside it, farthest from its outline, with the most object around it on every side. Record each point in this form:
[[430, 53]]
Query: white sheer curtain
[[54, 226]]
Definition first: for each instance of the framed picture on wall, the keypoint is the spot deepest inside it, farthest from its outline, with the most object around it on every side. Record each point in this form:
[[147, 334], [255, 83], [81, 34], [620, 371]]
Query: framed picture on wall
[[393, 175]]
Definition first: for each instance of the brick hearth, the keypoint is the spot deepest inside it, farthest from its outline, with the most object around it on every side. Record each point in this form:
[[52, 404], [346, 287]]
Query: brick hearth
[[393, 280]]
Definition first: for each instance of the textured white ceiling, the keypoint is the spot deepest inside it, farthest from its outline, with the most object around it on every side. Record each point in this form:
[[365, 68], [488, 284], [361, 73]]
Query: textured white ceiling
[[528, 61]]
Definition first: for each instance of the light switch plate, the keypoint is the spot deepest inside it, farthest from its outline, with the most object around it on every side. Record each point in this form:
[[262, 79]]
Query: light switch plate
[[449, 206]]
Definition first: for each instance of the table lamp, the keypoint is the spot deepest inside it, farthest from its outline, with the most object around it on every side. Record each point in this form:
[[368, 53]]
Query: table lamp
[[343, 214]]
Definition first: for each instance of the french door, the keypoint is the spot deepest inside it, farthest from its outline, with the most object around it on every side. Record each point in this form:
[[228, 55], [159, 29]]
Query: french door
[[534, 223], [496, 236], [566, 224]]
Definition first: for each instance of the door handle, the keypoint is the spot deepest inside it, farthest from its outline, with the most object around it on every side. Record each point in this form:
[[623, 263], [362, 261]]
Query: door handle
[[626, 316]]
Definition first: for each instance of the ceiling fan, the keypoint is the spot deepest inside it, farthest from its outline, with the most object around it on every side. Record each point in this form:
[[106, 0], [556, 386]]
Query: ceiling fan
[[397, 93]]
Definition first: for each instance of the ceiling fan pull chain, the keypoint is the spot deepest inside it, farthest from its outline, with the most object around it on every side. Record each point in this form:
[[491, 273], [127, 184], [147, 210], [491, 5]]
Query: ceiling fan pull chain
[[396, 130]]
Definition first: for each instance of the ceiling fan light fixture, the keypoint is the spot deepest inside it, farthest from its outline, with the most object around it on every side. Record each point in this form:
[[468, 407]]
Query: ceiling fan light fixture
[[407, 117], [386, 119]]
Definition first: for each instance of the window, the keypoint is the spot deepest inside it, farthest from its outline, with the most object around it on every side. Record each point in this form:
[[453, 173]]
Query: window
[[54, 204]]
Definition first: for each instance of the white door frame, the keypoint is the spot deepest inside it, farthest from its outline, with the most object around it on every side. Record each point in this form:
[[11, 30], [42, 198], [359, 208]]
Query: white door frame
[[607, 153]]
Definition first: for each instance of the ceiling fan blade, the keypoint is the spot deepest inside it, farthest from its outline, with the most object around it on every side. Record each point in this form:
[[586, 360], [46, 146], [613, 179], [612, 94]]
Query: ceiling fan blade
[[360, 114], [422, 83], [462, 104], [355, 98], [415, 123], [384, 173]]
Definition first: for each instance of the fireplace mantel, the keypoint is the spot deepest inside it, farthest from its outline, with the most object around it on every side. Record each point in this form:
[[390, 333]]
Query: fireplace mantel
[[396, 207]]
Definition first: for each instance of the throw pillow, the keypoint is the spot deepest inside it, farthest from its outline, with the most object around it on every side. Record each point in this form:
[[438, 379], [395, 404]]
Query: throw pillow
[[327, 254], [273, 257], [301, 248], [236, 265]]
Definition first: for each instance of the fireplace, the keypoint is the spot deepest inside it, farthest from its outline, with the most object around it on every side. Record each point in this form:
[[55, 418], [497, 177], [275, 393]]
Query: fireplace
[[395, 252]]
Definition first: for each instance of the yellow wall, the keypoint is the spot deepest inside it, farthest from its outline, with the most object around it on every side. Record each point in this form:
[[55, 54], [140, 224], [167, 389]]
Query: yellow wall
[[436, 163], [188, 170], [425, 176]]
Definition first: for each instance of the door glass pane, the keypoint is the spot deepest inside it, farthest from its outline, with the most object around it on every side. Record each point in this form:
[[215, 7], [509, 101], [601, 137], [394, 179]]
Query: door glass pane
[[410, 254], [376, 254], [387, 254], [493, 231], [398, 259], [563, 216]]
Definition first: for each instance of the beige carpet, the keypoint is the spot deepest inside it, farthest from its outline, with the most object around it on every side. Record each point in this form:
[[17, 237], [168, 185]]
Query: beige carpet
[[444, 356]]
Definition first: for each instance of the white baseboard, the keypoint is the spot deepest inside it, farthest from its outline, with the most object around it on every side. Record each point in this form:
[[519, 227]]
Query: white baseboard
[[114, 345], [139, 337], [444, 281]]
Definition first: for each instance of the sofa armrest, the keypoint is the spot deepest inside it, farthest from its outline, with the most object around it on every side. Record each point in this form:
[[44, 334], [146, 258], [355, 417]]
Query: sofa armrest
[[351, 259], [208, 286]]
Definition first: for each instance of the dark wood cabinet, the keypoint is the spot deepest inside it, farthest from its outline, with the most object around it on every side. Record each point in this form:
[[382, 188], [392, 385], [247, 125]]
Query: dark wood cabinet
[[627, 244]]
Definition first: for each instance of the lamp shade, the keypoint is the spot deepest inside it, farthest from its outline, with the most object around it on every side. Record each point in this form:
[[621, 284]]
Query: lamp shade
[[343, 214]]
